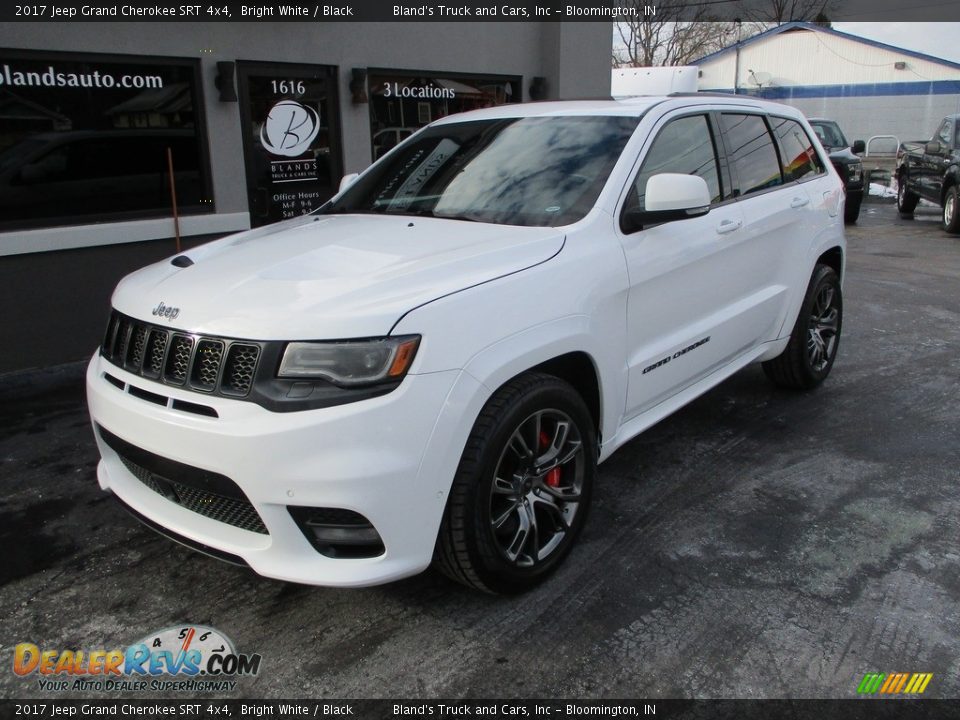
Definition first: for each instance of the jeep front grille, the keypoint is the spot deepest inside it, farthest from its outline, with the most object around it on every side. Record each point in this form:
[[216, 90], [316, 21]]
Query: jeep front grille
[[201, 363]]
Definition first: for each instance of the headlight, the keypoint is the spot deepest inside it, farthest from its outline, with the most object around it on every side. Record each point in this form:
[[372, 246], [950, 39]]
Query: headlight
[[856, 171], [350, 362]]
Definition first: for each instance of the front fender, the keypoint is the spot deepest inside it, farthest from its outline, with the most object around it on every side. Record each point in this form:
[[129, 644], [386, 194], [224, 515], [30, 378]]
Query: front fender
[[950, 178]]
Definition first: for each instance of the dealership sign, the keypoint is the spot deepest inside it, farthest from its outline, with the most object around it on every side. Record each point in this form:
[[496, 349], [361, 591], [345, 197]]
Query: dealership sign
[[396, 90]]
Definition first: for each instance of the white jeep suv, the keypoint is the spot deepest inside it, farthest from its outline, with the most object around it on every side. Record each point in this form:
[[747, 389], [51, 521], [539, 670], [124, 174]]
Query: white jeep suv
[[430, 367]]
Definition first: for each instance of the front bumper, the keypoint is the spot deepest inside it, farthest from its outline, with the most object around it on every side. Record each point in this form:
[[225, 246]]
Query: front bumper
[[367, 457]]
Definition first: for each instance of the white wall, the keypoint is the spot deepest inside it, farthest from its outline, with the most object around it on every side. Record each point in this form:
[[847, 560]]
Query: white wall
[[808, 57], [909, 118]]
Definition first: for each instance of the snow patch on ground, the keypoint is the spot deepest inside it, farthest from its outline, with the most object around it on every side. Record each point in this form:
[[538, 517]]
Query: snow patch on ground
[[878, 190]]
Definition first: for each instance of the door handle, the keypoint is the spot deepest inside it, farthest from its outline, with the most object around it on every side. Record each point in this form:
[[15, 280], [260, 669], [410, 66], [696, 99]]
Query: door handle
[[728, 226], [799, 202]]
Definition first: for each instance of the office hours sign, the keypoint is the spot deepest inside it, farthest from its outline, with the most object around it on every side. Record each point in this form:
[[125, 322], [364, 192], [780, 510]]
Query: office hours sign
[[290, 138]]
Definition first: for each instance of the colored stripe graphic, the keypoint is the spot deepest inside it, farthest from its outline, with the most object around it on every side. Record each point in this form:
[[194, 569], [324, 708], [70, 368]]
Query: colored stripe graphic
[[870, 683], [923, 679], [894, 683], [891, 681]]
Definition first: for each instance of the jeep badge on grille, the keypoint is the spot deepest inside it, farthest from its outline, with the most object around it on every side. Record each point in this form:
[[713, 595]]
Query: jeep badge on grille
[[165, 311]]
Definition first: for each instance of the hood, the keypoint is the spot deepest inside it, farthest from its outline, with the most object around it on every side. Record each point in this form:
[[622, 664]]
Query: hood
[[328, 276], [843, 155]]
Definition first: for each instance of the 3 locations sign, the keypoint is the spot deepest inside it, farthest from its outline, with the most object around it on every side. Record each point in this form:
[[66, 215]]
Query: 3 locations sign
[[402, 103]]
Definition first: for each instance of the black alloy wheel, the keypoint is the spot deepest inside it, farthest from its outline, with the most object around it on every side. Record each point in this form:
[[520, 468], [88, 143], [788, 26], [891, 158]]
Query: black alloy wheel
[[815, 338], [536, 487], [522, 490], [823, 328]]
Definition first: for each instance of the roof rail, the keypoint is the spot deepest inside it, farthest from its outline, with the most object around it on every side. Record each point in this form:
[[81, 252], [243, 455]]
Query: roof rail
[[727, 96]]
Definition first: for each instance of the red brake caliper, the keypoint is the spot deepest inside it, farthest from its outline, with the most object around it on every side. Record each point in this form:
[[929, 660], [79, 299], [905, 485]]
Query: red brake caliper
[[552, 478]]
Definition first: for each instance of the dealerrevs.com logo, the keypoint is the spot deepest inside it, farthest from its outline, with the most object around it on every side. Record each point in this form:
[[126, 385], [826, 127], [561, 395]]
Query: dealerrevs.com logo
[[190, 658]]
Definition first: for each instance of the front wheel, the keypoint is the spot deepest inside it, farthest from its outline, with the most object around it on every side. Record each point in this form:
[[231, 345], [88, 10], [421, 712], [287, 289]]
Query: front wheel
[[809, 356], [522, 490], [951, 212], [906, 199], [852, 209]]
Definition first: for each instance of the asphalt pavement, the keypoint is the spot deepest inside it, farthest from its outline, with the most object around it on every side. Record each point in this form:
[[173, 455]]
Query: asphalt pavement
[[758, 543]]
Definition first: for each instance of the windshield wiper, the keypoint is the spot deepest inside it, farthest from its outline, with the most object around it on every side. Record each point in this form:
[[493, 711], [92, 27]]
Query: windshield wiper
[[431, 214]]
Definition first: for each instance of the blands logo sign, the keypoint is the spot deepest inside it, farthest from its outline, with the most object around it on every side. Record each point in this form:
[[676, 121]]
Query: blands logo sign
[[894, 683], [290, 128]]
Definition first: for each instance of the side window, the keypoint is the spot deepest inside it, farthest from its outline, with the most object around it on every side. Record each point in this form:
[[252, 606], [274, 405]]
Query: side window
[[684, 145], [943, 134], [754, 154], [800, 160]]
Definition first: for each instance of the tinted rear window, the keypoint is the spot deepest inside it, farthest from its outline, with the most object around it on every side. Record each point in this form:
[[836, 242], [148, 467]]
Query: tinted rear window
[[755, 158], [800, 160]]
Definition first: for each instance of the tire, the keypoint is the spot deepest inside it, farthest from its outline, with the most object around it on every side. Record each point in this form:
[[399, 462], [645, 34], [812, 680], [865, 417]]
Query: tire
[[951, 211], [852, 209], [511, 519], [809, 356], [906, 199]]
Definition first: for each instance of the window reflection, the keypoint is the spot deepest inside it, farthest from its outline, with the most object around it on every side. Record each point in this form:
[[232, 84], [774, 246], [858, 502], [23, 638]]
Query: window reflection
[[83, 140], [800, 159], [683, 146], [515, 171], [754, 154]]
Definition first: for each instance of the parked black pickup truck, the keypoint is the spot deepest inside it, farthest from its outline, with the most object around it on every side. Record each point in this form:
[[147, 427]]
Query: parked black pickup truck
[[931, 170], [847, 164]]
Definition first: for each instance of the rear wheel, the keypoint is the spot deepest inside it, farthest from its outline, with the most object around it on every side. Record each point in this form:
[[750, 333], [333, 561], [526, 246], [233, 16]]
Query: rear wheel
[[951, 211], [522, 490], [809, 356], [906, 199]]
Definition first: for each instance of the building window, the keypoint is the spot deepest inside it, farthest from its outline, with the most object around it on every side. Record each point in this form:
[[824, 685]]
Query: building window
[[401, 103], [84, 138]]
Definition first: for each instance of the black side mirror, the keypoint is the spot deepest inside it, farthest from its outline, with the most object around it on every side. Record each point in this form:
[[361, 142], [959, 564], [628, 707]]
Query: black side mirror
[[859, 146], [933, 147], [637, 218]]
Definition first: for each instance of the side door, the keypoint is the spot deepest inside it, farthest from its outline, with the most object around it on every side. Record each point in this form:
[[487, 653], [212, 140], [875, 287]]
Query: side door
[[682, 319], [935, 164], [807, 204]]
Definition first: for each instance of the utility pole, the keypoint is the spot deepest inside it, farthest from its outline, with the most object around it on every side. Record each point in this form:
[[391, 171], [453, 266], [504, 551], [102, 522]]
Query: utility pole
[[736, 69]]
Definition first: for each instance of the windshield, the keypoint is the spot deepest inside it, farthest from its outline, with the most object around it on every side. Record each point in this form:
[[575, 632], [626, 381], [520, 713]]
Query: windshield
[[829, 134], [536, 171]]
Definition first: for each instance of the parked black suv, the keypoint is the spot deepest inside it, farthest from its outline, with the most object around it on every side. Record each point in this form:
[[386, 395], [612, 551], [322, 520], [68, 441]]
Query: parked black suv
[[845, 160]]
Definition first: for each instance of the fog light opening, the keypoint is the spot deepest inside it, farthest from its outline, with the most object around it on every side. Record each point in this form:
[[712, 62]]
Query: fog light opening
[[338, 533]]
